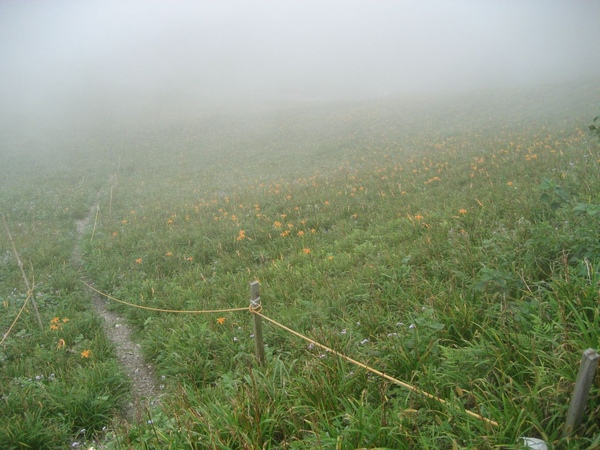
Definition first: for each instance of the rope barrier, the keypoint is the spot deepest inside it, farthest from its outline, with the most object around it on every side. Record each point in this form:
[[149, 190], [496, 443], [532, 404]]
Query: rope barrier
[[370, 369], [211, 311], [16, 318], [256, 308]]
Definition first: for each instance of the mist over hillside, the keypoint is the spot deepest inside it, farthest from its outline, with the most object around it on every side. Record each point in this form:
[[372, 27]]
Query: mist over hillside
[[72, 65]]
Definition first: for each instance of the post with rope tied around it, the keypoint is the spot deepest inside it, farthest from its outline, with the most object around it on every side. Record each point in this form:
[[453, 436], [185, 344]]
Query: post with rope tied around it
[[255, 305]]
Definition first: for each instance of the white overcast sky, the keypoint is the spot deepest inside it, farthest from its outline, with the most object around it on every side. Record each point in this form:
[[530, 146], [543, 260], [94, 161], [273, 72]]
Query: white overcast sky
[[79, 55]]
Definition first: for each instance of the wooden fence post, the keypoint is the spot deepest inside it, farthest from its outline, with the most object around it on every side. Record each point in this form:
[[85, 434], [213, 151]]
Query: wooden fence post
[[259, 347], [587, 370], [110, 201]]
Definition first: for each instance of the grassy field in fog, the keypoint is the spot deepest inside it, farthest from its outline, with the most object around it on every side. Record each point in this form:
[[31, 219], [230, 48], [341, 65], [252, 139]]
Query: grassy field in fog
[[451, 243]]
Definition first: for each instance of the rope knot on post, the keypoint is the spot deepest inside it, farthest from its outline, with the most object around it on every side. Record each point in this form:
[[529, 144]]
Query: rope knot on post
[[255, 305]]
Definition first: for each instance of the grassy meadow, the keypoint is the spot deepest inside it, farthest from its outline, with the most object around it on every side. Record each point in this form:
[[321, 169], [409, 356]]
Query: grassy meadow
[[452, 243]]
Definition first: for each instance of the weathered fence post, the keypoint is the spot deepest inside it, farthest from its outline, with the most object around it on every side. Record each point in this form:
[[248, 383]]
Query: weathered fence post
[[95, 222], [110, 201], [255, 303], [587, 370]]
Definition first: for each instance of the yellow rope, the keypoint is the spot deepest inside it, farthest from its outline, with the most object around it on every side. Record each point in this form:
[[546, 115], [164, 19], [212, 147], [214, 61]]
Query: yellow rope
[[212, 311], [375, 371], [257, 310], [16, 318]]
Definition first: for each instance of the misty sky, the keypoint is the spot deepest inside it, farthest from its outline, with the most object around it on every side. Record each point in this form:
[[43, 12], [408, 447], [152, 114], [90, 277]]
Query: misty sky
[[109, 57]]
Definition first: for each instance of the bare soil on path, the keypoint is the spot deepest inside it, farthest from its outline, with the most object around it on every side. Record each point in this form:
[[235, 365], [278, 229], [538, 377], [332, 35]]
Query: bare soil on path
[[144, 390]]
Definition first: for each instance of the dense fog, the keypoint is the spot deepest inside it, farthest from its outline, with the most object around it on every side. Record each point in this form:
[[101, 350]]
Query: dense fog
[[76, 62]]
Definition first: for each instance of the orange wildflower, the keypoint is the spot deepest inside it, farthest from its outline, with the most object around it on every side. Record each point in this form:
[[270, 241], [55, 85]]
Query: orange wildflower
[[300, 233], [306, 251], [462, 211], [139, 260], [221, 320], [86, 353]]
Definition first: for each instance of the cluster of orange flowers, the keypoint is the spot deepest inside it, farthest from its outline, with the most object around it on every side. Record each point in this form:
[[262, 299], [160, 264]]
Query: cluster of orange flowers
[[431, 180], [56, 323]]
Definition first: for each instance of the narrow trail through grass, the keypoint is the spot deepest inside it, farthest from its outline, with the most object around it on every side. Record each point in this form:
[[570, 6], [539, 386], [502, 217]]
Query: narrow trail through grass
[[144, 389]]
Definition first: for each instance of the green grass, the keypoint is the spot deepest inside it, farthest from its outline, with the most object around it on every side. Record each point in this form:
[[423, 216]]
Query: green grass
[[449, 243], [51, 396]]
